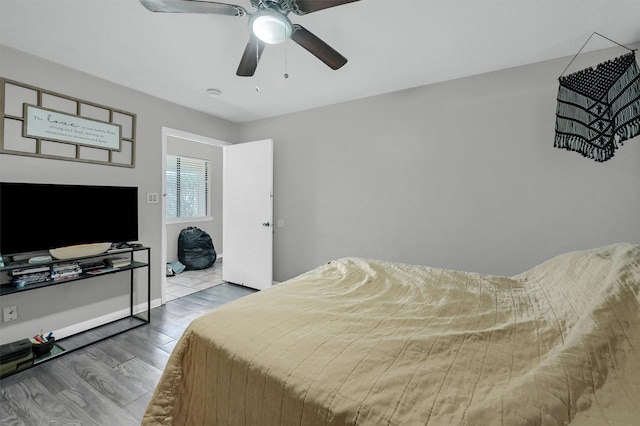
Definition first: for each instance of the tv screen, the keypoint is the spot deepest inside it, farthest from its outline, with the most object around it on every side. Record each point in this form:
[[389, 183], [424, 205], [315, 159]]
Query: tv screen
[[37, 217]]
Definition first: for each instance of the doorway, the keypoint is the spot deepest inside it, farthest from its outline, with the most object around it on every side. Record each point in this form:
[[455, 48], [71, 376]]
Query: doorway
[[246, 172], [201, 147]]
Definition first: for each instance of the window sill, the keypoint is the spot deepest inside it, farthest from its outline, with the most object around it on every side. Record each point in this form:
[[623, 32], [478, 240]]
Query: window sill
[[189, 220]]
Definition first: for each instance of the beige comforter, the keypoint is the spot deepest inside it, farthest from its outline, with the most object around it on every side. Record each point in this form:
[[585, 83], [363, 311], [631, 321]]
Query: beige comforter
[[374, 343]]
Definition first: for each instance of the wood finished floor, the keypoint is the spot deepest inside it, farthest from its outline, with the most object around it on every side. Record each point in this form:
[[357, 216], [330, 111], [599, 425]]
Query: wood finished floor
[[110, 382]]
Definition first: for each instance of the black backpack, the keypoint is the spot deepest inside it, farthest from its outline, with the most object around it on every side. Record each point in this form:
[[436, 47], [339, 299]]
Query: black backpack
[[195, 249]]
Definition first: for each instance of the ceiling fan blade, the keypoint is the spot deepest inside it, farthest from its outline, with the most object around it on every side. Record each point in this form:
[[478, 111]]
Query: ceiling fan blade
[[250, 57], [301, 7], [193, 6], [317, 47]]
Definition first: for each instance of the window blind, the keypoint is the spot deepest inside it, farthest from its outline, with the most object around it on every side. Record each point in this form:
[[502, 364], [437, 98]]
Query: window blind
[[187, 187]]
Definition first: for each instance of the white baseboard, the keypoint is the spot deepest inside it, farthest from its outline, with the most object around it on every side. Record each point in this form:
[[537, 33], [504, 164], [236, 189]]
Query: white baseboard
[[102, 320]]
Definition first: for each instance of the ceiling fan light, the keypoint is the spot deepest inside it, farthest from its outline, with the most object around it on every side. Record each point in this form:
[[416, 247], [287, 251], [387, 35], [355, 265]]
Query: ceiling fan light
[[270, 26]]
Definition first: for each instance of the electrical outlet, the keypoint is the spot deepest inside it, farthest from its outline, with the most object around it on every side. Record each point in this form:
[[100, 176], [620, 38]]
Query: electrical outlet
[[10, 313]]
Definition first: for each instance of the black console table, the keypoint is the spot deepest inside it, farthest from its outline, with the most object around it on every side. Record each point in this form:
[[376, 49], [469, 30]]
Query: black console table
[[101, 332]]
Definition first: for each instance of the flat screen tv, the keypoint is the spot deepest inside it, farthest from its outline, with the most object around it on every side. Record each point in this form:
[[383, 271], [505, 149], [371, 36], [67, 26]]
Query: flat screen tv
[[38, 217]]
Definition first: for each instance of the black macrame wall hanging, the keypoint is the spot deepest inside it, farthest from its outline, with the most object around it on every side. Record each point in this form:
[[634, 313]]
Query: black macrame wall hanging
[[599, 107]]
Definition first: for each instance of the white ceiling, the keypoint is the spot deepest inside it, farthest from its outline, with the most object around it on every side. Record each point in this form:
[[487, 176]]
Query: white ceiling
[[390, 44]]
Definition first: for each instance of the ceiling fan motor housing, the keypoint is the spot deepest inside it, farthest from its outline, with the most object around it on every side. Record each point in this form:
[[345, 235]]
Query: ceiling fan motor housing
[[283, 6]]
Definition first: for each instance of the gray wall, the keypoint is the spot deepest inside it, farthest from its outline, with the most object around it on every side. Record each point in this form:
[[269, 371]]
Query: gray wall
[[64, 305], [460, 175]]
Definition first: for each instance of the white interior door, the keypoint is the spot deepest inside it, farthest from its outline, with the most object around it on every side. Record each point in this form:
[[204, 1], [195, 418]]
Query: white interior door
[[247, 214]]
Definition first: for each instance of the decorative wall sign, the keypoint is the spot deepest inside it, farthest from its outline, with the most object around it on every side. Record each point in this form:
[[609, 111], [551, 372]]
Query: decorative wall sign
[[36, 122], [58, 126]]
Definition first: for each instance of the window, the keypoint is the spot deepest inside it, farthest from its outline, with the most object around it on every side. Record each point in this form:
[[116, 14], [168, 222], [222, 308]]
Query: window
[[187, 187]]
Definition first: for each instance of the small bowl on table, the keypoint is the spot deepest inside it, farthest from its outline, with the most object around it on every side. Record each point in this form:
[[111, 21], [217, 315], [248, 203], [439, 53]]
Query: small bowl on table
[[41, 349]]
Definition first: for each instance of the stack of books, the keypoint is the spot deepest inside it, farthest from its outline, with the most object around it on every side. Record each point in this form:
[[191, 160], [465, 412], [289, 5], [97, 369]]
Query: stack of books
[[22, 277], [118, 262], [63, 271]]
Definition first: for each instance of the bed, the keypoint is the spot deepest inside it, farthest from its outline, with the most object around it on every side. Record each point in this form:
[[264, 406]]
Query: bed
[[369, 342]]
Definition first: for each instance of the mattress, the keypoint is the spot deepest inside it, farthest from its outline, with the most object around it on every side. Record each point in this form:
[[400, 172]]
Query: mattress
[[371, 342]]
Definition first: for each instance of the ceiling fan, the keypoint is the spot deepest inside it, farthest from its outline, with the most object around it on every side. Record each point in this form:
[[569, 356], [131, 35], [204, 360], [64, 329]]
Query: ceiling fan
[[268, 23]]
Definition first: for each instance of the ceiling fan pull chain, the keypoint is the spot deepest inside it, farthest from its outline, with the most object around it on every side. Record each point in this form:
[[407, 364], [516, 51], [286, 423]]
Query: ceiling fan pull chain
[[286, 59], [257, 50], [257, 59]]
